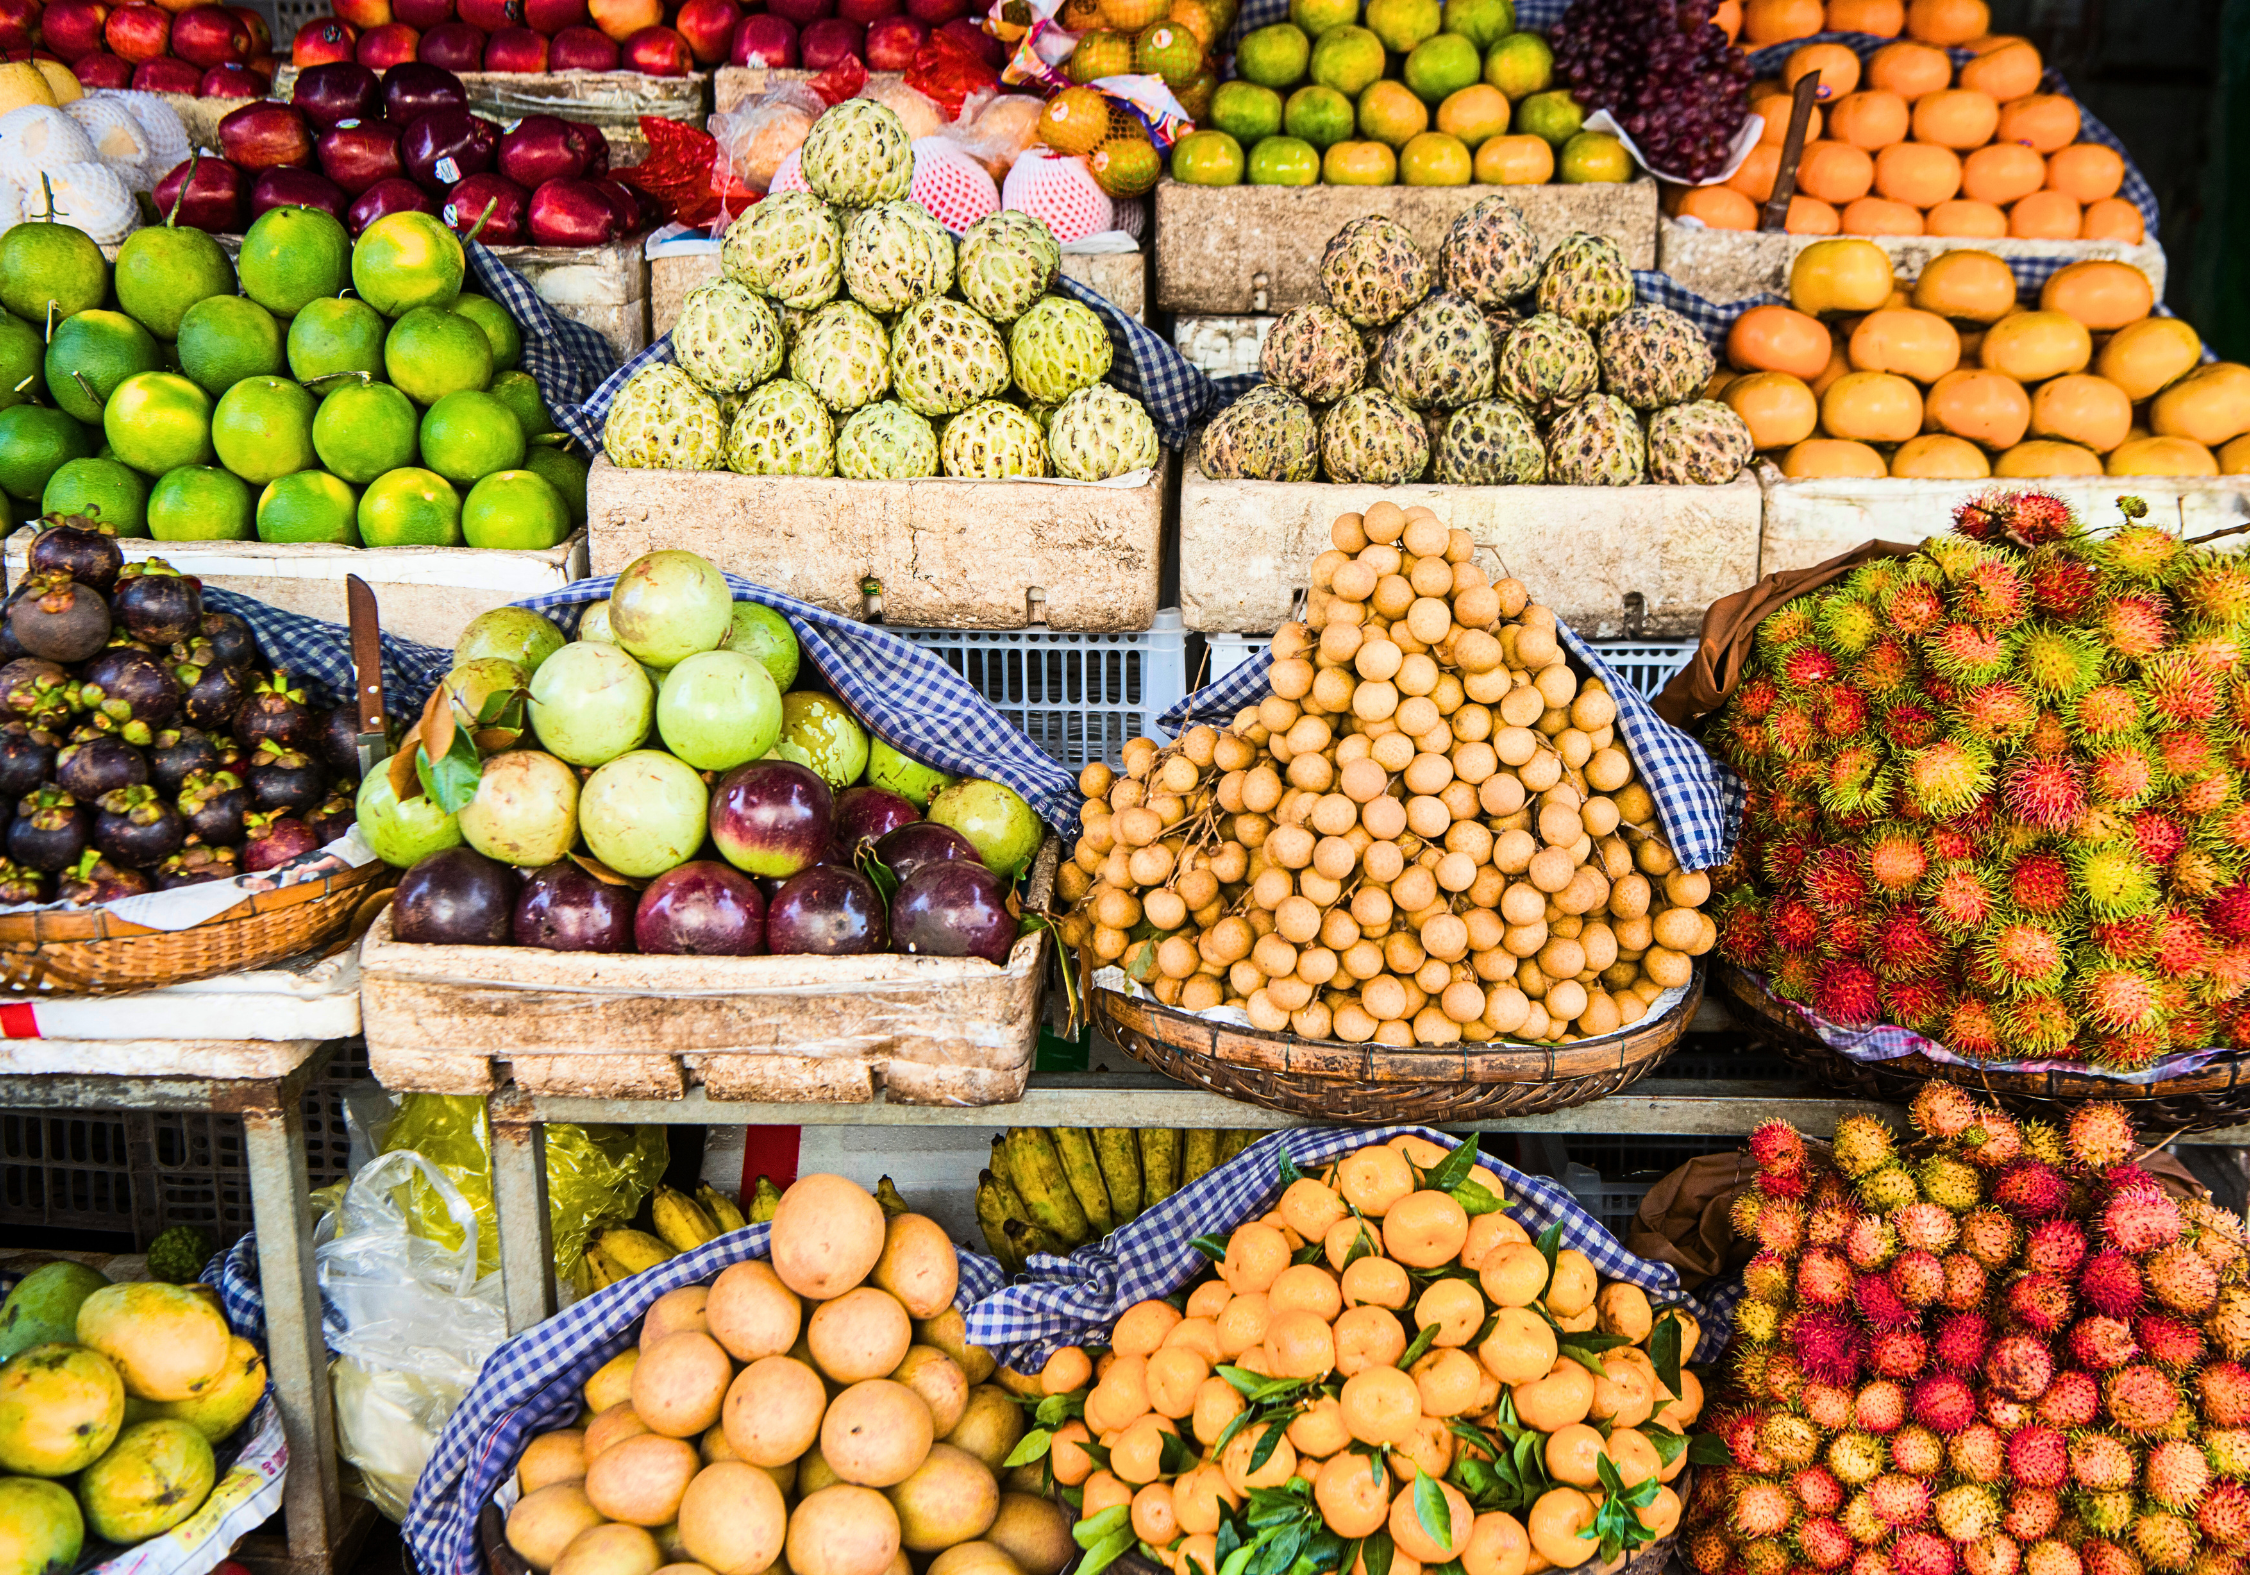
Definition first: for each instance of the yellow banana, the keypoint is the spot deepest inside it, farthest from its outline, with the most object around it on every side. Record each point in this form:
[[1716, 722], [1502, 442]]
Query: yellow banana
[[724, 1211], [633, 1250], [1120, 1158], [886, 1195], [992, 1219], [1233, 1140], [601, 1269], [1000, 1160], [681, 1224], [1198, 1153], [1038, 1174], [1074, 1146], [1160, 1164], [764, 1199]]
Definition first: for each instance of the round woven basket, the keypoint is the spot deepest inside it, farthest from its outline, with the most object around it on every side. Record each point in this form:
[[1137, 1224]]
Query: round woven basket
[[1351, 1084], [2217, 1095], [90, 951]]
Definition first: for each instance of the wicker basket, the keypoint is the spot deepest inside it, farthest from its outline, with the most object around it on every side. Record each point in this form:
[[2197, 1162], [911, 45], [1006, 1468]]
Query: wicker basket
[[2218, 1095], [93, 952], [1348, 1084]]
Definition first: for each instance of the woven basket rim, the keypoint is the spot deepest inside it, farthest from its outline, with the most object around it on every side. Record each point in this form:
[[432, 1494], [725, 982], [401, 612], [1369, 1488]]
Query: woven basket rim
[[75, 925]]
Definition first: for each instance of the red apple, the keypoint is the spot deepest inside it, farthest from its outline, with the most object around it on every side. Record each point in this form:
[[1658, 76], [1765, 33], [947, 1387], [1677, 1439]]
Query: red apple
[[267, 135], [978, 41], [936, 13], [412, 90], [636, 210], [217, 199], [336, 92], [397, 195], [582, 49], [138, 32], [322, 43], [621, 19], [445, 146], [102, 70], [893, 43], [540, 148], [232, 80], [392, 44], [297, 189], [358, 156], [492, 15], [800, 13], [708, 27], [363, 14], [867, 12], [552, 16], [74, 27], [422, 15], [658, 52], [516, 49], [261, 36], [829, 40], [590, 142], [19, 27], [210, 35], [466, 209], [166, 75], [452, 46], [572, 213], [763, 39]]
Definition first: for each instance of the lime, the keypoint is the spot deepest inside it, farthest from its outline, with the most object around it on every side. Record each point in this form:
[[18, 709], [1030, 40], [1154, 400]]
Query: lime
[[468, 435], [90, 354], [308, 505], [1347, 59], [1593, 158], [1246, 111], [35, 442], [262, 429], [159, 421], [1359, 164], [336, 334], [565, 472], [1389, 112], [410, 507], [1284, 161], [1316, 17], [100, 489], [45, 266], [163, 270], [1401, 24], [1207, 158], [518, 509], [1274, 56], [1555, 116], [1483, 22], [1515, 160], [430, 353], [1434, 159], [364, 429], [200, 503], [1520, 65], [292, 257], [22, 361], [1321, 116], [519, 391], [1476, 114], [227, 338], [1441, 66], [498, 326], [404, 260]]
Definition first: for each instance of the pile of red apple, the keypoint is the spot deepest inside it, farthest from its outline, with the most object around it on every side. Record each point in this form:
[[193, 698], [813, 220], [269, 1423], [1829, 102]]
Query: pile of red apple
[[211, 51], [357, 147]]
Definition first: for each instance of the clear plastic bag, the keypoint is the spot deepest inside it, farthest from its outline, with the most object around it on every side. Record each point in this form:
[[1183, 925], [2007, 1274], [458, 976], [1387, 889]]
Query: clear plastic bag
[[758, 135]]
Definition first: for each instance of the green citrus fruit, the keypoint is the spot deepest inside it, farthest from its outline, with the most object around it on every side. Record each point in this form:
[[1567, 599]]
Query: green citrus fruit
[[410, 507], [1207, 158], [163, 270], [1246, 111], [35, 442], [565, 472], [101, 489], [262, 429], [364, 429], [23, 356], [1390, 113], [1359, 164], [405, 260], [1401, 24], [1593, 158], [1434, 159], [91, 353], [309, 505], [1554, 115], [498, 326], [1347, 59], [1168, 50], [431, 353], [469, 435], [1482, 22], [517, 509], [1520, 65], [50, 267], [292, 257], [226, 338], [333, 337], [159, 421], [1284, 161], [200, 503], [1274, 56], [1318, 16], [1441, 66], [1320, 115], [519, 391]]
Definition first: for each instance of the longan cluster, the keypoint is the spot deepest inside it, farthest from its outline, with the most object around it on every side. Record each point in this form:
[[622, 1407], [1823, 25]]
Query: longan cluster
[[1426, 833]]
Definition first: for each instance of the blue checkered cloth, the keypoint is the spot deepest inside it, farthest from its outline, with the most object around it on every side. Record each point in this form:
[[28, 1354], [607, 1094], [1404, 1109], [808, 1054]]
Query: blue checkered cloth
[[320, 653], [532, 1383], [233, 1273], [1697, 798], [1075, 1300], [567, 359]]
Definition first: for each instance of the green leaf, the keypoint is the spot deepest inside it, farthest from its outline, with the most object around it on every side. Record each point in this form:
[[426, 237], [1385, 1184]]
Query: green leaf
[[1449, 1567], [1376, 1551], [1549, 1243], [1664, 1352], [1708, 1449], [1476, 1198], [1108, 1551], [1348, 1555], [1175, 1456], [1262, 1451], [1473, 1434], [1476, 1477], [1032, 1446], [1229, 1538], [1431, 1509], [451, 782], [1452, 1170], [1424, 1338], [1098, 1453], [1211, 1247], [1055, 1410], [1241, 1420], [1668, 1444], [1605, 1471], [1245, 1382], [1278, 1389], [1529, 1466], [1234, 1563], [1095, 1527], [1288, 1168], [1586, 1350], [1310, 1252]]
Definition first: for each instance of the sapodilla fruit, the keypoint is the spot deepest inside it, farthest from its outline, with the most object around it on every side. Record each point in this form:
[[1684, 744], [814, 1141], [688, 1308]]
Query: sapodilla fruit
[[680, 1384], [732, 1517], [752, 1313], [641, 1480], [548, 1520], [827, 1235], [842, 1529], [876, 1433], [918, 1265]]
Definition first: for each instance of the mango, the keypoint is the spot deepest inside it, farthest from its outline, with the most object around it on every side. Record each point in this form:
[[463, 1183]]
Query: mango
[[155, 1476], [167, 1342], [41, 1530], [226, 1405], [60, 1408], [43, 1308]]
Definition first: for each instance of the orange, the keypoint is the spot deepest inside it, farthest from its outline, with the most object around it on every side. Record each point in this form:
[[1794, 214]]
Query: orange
[[2211, 405], [2083, 409], [1938, 456], [1376, 1281], [1200, 1496], [1777, 338], [1454, 1306], [1489, 1232], [1380, 1405], [1774, 109], [1155, 1519], [1811, 216], [1373, 1179], [1917, 173], [1280, 1466], [1986, 43], [1514, 1275], [1256, 1255], [1429, 1450], [2234, 458], [1835, 172], [1948, 21], [2034, 346], [1872, 118], [1913, 343], [1103, 1491], [1498, 1544], [2041, 457], [1518, 159], [1311, 1207], [1432, 1545], [1778, 21], [1318, 1430], [2043, 122], [1956, 118], [1217, 1403], [1142, 1328], [1368, 1337], [1564, 1395], [1244, 1323], [1353, 1495], [1872, 407], [1880, 216], [2103, 295], [2045, 216], [1879, 18], [1200, 1335], [1521, 1347], [1728, 19], [1448, 1379], [1719, 207], [1989, 408], [1754, 177], [1965, 219], [1137, 1454], [1909, 70], [1300, 1345], [1306, 1287], [1831, 457], [2011, 70], [1172, 1378], [1778, 408], [2145, 357], [1967, 286], [1208, 1300], [1425, 1229], [2087, 171], [1348, 1236], [2162, 456], [2002, 172], [1571, 1452], [1836, 66]]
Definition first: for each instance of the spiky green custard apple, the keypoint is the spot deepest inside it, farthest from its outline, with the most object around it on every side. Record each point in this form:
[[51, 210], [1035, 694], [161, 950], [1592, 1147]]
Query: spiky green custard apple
[[1099, 433], [993, 440], [661, 420], [886, 441], [843, 355], [1491, 443], [1546, 364], [788, 247], [1056, 348], [945, 357], [727, 338], [1007, 261], [894, 255], [1314, 353], [1489, 254], [1268, 434], [1651, 356], [859, 153], [1438, 356], [782, 429], [1702, 443], [1373, 272], [1597, 442], [1371, 437], [1585, 279]]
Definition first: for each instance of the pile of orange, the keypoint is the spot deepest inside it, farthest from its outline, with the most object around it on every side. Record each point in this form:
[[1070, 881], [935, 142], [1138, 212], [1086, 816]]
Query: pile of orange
[[1953, 377]]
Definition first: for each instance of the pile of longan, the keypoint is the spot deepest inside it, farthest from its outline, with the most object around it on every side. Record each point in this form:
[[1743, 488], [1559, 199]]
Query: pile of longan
[[1428, 831]]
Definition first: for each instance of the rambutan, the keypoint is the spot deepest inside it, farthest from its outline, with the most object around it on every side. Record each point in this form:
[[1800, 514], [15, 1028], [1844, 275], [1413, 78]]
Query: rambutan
[[1993, 1141], [1886, 667], [1947, 777], [1879, 1408], [2140, 1398], [2206, 793], [1846, 992], [1899, 1499], [1888, 1189], [2157, 836], [1806, 667], [1861, 1144], [1783, 1380], [2102, 1344], [1762, 1508], [1908, 725], [2223, 1515], [2229, 1323], [2027, 519], [2062, 585], [1757, 1322], [1913, 607], [2109, 1558], [2108, 1514], [1917, 1450], [2168, 1342], [2040, 1301], [1792, 732], [2185, 753], [1973, 1029], [1996, 1554], [2031, 1189], [2002, 1412], [2055, 1247], [2072, 1400], [1789, 1438], [2229, 1450], [1870, 1243], [1926, 1228], [2214, 649], [1708, 1552], [2048, 736], [2121, 774], [2167, 1541], [1827, 1346], [2119, 999], [1845, 624], [1947, 1182], [1964, 1282], [2038, 1457], [1960, 902], [2058, 662], [1780, 1225], [1989, 1236], [1978, 1452], [2049, 1557], [2222, 1392], [1959, 1341], [2021, 1366], [1967, 1512], [1824, 1279], [2227, 911], [1913, 1003], [2138, 552], [1793, 925], [1856, 1457], [1995, 713], [2039, 882], [2046, 792], [2022, 954], [2134, 1050], [2102, 1462], [2138, 1219], [2106, 711], [1828, 1404], [1896, 859], [2111, 1280], [2176, 1473], [1879, 1304], [1858, 782], [1923, 1553], [1897, 1353], [1776, 1146], [1824, 1544], [1834, 882], [2133, 625], [2178, 691], [2215, 588], [1903, 945], [1944, 1403]]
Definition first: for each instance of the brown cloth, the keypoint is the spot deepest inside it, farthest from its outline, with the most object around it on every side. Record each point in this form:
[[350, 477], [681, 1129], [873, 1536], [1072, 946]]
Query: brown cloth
[[1701, 687]]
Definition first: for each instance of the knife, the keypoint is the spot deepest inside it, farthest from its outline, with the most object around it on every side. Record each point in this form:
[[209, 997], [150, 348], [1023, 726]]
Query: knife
[[374, 738]]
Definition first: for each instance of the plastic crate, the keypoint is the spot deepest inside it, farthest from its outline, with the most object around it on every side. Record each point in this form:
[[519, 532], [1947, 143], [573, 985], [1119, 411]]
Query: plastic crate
[[286, 16], [1077, 696], [1645, 664], [1610, 1175]]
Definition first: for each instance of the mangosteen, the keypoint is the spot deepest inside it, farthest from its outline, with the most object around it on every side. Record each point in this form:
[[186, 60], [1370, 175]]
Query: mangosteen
[[59, 619], [11, 648], [286, 779], [131, 693], [213, 804], [230, 638], [157, 603], [214, 690], [137, 827], [37, 691], [18, 884], [178, 751], [338, 744], [333, 817], [95, 879], [50, 830], [275, 838], [85, 550], [27, 758], [196, 864], [98, 765], [275, 710]]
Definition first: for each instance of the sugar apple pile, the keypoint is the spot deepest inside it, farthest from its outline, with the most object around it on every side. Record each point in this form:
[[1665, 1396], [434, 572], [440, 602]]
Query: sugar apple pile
[[1481, 367], [848, 335]]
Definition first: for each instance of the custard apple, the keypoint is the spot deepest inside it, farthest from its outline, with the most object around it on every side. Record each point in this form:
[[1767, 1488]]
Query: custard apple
[[1439, 356], [782, 430], [843, 355], [945, 357], [788, 247], [1370, 437], [1546, 365], [1007, 261], [1597, 443], [1100, 432], [894, 255], [726, 338], [1652, 356], [1373, 272], [1267, 435], [1057, 348], [1314, 353], [1491, 443], [859, 154], [1489, 254], [1701, 444], [1585, 279], [886, 441], [992, 440], [661, 421]]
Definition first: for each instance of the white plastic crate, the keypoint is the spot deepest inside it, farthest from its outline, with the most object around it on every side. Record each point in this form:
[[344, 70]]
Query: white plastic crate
[[1077, 696], [1645, 664]]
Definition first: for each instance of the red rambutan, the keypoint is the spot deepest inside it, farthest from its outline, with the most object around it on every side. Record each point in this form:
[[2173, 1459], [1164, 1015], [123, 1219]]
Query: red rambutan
[[2111, 1282], [1806, 667], [2222, 1393], [1824, 1278], [1834, 882], [2121, 774], [2102, 1344], [2223, 1515], [2102, 1463], [2140, 1219], [1996, 1554], [2049, 1557], [1880, 1407], [2168, 1342], [1960, 1341], [1827, 1346], [2119, 1000], [2176, 1473], [2140, 1398], [1973, 1029], [2025, 519], [2040, 882], [2178, 691], [2032, 1512], [2134, 625], [1913, 1003], [2062, 586], [1995, 713], [1964, 1282], [2228, 911], [2109, 1558], [1776, 1146], [1960, 901], [2021, 1366], [1896, 859], [2040, 1301], [1903, 946], [1922, 1553], [1886, 666], [1944, 1403], [1843, 711], [2072, 1400], [1879, 1304], [2048, 792], [1897, 1353], [1917, 1276], [1899, 1499], [2157, 836], [1947, 777], [2022, 954], [1908, 725], [1846, 992], [2038, 1457], [2106, 711], [2031, 1189], [2185, 755], [2182, 946], [1762, 1508], [2055, 1247], [1824, 1544]]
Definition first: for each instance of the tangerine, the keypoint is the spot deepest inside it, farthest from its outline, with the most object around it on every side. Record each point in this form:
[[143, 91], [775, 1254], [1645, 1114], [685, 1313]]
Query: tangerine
[[2043, 122], [1837, 67], [1425, 1229], [1498, 1544], [2105, 296], [1811, 216], [2162, 456], [1455, 1307], [1448, 1379], [1827, 457], [2087, 171], [1572, 1453], [1173, 1378], [1368, 1336], [1279, 1466], [1835, 172], [2002, 172], [1256, 1255], [1966, 219], [1948, 22], [2045, 216], [2042, 457], [1300, 1345], [1987, 408], [1939, 456], [1880, 216], [1872, 118], [1374, 1178], [1311, 1207], [1778, 21], [1381, 1403], [1956, 118], [2007, 71], [1438, 1543], [1778, 408], [1217, 1403], [1141, 1329], [1755, 175], [1306, 1287], [1376, 1282], [1909, 69], [1353, 1495]]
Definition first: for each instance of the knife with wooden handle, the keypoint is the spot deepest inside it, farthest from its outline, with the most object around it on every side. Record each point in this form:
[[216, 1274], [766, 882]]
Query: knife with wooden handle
[[374, 739]]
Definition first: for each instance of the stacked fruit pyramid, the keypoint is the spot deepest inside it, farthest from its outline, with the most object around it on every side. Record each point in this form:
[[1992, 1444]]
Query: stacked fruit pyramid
[[849, 284], [2003, 1347], [1427, 370], [1994, 792]]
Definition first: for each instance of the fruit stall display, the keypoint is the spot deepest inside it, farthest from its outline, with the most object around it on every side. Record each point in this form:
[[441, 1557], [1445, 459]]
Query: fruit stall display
[[192, 51]]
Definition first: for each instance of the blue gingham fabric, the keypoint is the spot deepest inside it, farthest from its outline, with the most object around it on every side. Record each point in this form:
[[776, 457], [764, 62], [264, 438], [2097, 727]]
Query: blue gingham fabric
[[320, 652], [531, 1385], [233, 1273], [567, 359], [1697, 798], [1075, 1300]]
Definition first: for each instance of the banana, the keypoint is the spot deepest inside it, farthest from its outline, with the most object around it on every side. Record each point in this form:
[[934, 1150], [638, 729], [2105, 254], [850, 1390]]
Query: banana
[[992, 1219], [1074, 1146], [1198, 1153], [681, 1224], [1024, 1240], [632, 1250], [764, 1199], [1233, 1140], [886, 1195], [724, 1211], [1038, 1174], [1120, 1158], [599, 1270], [1000, 1172], [1160, 1164]]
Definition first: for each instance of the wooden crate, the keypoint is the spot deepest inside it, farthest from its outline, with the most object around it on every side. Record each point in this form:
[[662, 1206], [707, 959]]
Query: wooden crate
[[612, 100], [1234, 249], [425, 593], [1726, 265], [1121, 278], [1633, 562], [828, 1030], [946, 553], [604, 287]]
